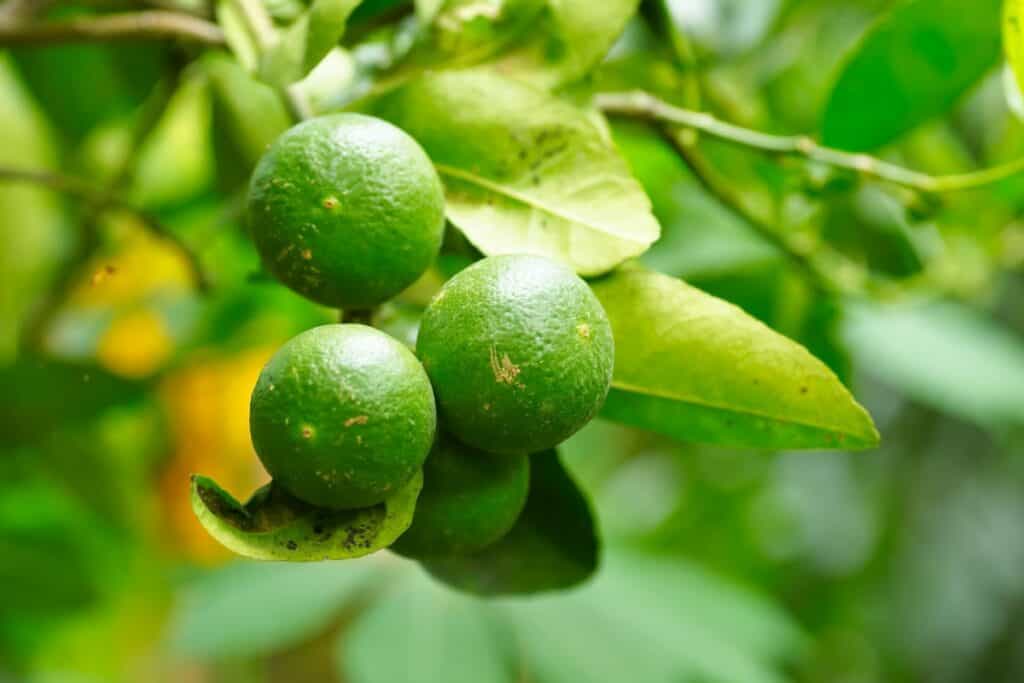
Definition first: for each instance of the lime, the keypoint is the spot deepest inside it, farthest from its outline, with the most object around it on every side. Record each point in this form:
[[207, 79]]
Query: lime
[[519, 351], [469, 500], [346, 210], [342, 416]]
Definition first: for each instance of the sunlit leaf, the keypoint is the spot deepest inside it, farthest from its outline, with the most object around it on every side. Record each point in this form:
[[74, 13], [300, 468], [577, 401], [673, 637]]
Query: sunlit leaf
[[525, 172], [553, 545], [569, 40], [236, 32], [307, 41], [275, 526], [700, 369], [911, 66]]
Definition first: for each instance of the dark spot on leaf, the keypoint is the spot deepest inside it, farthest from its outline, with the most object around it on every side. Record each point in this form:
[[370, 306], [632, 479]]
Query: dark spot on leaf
[[292, 545]]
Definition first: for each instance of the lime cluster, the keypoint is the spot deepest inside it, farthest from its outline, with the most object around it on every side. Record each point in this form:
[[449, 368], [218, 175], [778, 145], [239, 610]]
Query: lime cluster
[[514, 353]]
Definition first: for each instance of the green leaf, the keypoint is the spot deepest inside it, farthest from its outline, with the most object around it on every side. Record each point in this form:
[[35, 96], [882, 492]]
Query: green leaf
[[525, 172], [442, 637], [275, 526], [247, 115], [700, 369], [462, 33], [248, 609], [569, 40], [306, 42], [31, 414], [913, 65], [1013, 39], [553, 545], [237, 35], [426, 10], [945, 356], [98, 84], [29, 256], [653, 618]]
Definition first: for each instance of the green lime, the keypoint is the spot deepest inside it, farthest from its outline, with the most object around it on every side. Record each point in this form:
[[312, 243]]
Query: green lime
[[470, 499], [342, 416], [519, 351], [346, 209]]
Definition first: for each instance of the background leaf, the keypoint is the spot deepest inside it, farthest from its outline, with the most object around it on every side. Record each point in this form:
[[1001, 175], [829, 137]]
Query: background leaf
[[237, 35], [248, 114], [247, 608], [571, 38], [552, 546], [699, 369], [911, 66], [441, 635], [650, 618], [275, 526], [307, 41], [525, 172], [943, 355]]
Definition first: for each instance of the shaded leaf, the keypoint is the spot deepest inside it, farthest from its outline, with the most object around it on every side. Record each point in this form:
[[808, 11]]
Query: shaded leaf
[[28, 411], [442, 636], [276, 526], [943, 355], [911, 66], [306, 41], [248, 609], [569, 39], [700, 369], [525, 172], [552, 546], [81, 87], [53, 551], [248, 116]]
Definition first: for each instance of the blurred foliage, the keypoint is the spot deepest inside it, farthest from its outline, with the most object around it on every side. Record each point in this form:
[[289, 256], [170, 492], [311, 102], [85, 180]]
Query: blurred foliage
[[719, 564]]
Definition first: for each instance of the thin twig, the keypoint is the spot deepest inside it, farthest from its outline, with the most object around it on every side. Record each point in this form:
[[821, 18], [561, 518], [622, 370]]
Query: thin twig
[[82, 190], [642, 105], [147, 25], [90, 241]]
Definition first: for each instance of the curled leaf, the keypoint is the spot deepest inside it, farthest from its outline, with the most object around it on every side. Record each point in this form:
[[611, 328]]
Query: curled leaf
[[275, 526]]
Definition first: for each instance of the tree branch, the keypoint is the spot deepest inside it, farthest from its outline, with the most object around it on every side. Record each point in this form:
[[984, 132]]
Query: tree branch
[[645, 106], [96, 198], [148, 25]]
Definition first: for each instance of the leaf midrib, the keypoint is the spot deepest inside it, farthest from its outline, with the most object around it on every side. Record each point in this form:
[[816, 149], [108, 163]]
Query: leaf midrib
[[532, 202], [703, 403]]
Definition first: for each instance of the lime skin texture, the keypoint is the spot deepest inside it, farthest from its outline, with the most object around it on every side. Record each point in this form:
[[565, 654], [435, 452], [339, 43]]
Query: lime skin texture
[[519, 351], [342, 416], [470, 499], [346, 210]]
